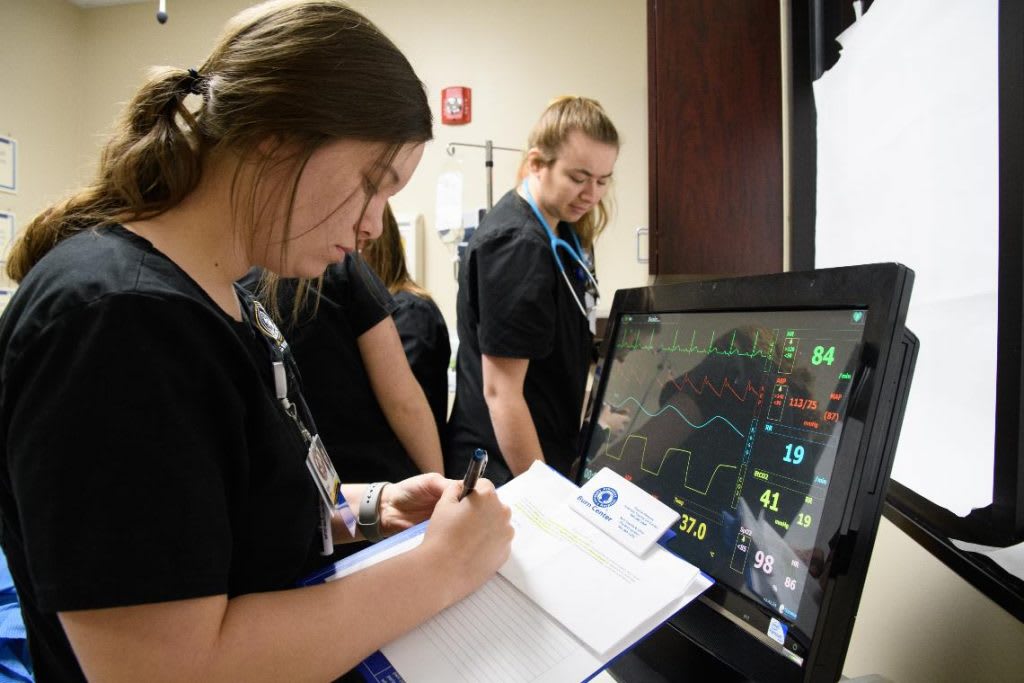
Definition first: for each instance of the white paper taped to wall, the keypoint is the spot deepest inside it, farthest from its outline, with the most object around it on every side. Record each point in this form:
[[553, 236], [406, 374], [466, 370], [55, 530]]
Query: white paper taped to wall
[[410, 227], [7, 233]]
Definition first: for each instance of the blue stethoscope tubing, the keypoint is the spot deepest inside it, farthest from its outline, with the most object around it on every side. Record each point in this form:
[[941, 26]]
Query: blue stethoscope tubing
[[576, 252]]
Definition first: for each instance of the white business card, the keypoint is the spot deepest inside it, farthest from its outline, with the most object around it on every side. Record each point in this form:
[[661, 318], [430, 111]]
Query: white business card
[[623, 510]]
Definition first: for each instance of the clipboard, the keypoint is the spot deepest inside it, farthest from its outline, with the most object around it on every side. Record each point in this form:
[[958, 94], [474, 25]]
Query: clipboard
[[500, 631]]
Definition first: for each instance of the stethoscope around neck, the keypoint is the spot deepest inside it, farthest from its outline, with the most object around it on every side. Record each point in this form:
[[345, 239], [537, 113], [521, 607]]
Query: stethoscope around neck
[[576, 252]]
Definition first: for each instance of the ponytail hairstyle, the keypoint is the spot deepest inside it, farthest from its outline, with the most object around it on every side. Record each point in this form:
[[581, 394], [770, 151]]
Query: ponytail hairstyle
[[295, 73], [564, 115], [386, 256]]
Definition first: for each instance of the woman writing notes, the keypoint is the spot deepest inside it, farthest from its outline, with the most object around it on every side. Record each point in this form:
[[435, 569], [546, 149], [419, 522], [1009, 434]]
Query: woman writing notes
[[156, 500], [526, 297]]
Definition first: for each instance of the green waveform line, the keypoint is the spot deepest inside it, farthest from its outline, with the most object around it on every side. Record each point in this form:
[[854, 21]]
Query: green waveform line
[[712, 349], [635, 344]]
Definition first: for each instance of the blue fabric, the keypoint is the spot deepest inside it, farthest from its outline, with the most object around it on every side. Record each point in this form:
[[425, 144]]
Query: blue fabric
[[15, 664]]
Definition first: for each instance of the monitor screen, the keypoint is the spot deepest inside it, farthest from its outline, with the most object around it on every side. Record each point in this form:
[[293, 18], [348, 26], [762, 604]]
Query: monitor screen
[[733, 419]]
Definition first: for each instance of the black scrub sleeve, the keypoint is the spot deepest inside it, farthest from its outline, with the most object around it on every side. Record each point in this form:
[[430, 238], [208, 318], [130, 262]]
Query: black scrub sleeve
[[514, 295], [424, 336], [353, 290], [350, 289], [119, 451]]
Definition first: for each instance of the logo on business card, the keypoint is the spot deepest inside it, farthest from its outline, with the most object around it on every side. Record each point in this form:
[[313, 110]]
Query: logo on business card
[[605, 497]]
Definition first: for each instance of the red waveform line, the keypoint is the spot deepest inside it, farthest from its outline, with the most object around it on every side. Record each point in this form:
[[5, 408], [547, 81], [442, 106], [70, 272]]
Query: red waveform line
[[704, 383]]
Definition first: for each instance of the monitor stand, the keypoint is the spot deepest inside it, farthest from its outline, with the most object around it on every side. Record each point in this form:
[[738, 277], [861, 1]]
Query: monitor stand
[[665, 655]]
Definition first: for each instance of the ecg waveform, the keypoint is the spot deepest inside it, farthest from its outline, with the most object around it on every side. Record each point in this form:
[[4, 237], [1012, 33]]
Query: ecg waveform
[[664, 457], [636, 340], [635, 345], [648, 413], [712, 349]]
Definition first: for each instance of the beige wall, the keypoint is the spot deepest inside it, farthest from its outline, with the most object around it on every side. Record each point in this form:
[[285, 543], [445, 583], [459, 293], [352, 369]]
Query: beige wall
[[41, 88], [508, 53], [515, 60], [919, 622], [66, 70]]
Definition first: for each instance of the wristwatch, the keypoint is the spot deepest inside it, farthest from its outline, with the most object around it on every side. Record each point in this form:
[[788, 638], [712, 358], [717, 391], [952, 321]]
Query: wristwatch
[[369, 512]]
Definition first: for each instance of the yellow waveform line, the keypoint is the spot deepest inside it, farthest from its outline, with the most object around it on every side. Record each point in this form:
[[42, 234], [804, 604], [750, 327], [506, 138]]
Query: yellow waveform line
[[664, 457], [611, 455]]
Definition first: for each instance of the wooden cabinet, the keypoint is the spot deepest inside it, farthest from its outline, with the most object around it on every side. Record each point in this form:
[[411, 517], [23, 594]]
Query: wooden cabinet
[[715, 108]]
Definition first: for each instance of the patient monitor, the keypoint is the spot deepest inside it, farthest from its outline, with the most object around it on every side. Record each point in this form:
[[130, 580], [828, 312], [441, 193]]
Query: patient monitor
[[765, 410]]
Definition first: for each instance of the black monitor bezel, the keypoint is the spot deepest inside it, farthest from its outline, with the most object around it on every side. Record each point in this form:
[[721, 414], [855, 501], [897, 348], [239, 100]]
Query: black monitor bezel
[[862, 463]]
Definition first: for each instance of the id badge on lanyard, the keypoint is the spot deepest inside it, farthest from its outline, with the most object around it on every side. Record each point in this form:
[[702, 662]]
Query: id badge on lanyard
[[321, 469], [590, 295], [591, 304]]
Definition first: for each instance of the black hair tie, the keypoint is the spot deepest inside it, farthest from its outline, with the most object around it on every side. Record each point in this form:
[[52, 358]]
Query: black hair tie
[[194, 83]]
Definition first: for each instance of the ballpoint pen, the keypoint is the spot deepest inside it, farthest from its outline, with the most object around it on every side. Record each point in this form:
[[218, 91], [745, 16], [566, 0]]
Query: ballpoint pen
[[476, 468]]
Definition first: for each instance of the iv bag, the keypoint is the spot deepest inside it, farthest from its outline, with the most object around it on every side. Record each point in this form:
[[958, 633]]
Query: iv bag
[[449, 206]]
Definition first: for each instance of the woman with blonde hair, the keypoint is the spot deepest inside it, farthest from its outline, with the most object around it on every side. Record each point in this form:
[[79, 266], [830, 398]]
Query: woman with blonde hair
[[527, 291], [159, 486]]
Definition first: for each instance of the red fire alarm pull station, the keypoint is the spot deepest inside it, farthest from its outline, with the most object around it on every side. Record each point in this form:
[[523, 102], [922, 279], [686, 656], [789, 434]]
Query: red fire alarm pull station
[[456, 105]]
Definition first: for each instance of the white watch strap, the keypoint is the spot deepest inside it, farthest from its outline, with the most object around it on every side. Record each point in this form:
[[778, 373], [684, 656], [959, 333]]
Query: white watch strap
[[369, 511]]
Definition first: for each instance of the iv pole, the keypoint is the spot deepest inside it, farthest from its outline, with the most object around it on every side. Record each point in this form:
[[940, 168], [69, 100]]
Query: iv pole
[[488, 148]]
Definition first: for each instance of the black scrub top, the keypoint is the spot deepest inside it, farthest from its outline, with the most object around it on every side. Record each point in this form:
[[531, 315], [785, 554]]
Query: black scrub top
[[514, 303], [144, 457], [324, 343], [424, 337]]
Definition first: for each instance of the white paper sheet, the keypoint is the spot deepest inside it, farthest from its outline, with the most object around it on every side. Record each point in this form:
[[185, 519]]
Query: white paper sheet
[[498, 635], [8, 165], [7, 234]]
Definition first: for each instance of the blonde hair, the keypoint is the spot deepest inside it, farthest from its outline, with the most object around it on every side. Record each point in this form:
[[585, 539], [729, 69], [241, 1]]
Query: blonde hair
[[562, 116], [386, 256], [297, 72]]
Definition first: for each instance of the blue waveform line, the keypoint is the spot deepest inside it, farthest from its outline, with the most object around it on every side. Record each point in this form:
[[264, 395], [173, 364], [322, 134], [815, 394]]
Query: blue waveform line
[[685, 419]]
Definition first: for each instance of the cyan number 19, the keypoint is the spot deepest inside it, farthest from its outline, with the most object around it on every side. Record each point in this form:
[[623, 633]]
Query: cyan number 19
[[794, 454]]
